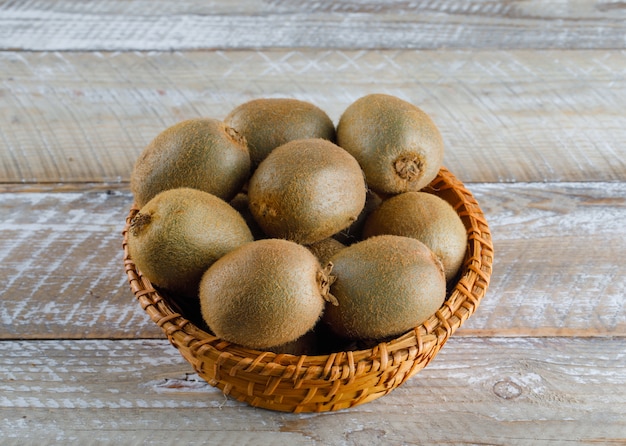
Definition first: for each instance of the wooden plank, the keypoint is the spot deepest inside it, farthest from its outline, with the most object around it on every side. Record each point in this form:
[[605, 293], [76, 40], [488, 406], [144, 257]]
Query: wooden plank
[[556, 269], [161, 25], [505, 116], [61, 267], [538, 391]]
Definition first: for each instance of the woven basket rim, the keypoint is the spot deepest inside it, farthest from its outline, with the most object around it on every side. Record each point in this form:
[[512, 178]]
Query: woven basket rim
[[209, 355]]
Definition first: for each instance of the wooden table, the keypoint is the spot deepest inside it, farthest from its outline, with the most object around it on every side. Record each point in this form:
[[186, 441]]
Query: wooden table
[[530, 99]]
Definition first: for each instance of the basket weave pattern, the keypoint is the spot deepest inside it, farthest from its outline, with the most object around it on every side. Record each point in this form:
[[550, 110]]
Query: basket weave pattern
[[339, 380]]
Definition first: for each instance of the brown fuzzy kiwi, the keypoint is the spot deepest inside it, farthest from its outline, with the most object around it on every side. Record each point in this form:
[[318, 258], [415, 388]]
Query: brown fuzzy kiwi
[[325, 249], [384, 286], [267, 123], [397, 144], [306, 190], [264, 294], [178, 234], [201, 153], [425, 217]]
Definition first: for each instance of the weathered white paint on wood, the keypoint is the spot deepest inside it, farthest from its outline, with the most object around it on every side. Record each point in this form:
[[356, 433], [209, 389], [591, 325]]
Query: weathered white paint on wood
[[162, 25], [505, 116], [61, 270], [556, 269], [477, 391]]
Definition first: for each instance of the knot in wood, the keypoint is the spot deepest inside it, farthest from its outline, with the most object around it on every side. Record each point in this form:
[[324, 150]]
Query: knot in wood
[[507, 389]]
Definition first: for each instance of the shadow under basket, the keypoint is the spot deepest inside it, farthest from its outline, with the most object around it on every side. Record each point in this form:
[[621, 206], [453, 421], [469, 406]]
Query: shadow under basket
[[339, 380]]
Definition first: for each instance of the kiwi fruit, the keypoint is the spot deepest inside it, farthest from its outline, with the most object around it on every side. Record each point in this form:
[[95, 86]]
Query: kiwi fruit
[[179, 233], [201, 153], [306, 190], [264, 294], [325, 249], [425, 217], [397, 144], [384, 286], [267, 123]]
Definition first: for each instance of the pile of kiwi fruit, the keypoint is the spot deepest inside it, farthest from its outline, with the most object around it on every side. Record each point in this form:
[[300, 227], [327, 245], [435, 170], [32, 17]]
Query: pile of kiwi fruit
[[277, 230]]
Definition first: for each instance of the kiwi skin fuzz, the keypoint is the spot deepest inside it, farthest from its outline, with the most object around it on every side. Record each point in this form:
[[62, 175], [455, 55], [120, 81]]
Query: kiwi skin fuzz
[[178, 234], [267, 123], [325, 249], [306, 190], [384, 286], [397, 144], [264, 294], [425, 217], [200, 153]]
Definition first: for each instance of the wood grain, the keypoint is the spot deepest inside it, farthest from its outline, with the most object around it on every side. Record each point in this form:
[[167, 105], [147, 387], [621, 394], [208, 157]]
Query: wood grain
[[556, 269], [496, 391], [505, 116], [61, 268], [161, 25]]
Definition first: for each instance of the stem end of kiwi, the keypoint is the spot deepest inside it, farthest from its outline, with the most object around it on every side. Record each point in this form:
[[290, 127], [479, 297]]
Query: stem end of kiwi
[[139, 222], [409, 166], [236, 136], [326, 279]]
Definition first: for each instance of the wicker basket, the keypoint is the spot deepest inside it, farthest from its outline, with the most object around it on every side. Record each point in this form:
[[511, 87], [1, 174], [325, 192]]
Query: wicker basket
[[338, 380]]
